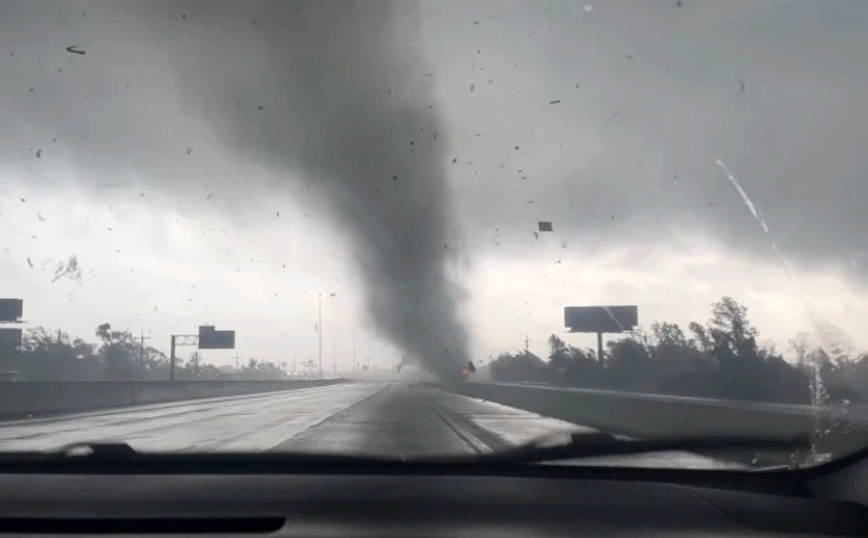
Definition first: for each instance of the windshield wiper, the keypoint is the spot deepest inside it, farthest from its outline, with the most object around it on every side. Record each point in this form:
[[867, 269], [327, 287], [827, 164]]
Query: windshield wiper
[[98, 455], [123, 457], [97, 451], [591, 445], [76, 452]]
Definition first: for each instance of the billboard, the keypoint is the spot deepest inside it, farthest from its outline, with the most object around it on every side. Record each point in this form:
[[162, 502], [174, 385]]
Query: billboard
[[601, 319], [10, 338], [210, 338], [11, 310]]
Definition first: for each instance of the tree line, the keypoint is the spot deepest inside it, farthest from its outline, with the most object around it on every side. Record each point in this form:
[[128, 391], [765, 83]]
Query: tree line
[[720, 359], [118, 355]]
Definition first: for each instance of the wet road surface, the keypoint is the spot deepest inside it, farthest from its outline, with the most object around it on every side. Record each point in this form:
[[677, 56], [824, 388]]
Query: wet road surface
[[385, 419]]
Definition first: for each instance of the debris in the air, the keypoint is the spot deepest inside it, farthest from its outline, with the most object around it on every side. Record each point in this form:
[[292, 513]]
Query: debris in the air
[[612, 117], [472, 87], [545, 226], [69, 269], [189, 150], [741, 85], [74, 49], [555, 102], [39, 154], [30, 263], [674, 178]]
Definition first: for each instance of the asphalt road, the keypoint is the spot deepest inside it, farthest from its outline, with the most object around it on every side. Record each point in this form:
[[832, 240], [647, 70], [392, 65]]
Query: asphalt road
[[385, 419]]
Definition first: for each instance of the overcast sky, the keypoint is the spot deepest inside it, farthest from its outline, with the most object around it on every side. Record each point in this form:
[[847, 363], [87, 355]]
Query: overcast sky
[[228, 162]]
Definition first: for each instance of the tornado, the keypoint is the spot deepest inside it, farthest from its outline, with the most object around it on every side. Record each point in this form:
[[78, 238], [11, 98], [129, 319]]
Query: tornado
[[335, 95]]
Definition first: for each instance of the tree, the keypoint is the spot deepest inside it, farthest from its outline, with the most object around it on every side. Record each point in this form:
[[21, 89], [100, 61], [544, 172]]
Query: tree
[[522, 366], [729, 328], [118, 352], [52, 355], [721, 359], [701, 340]]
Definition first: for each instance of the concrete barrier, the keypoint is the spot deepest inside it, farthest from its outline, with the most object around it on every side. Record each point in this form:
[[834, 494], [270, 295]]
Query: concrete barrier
[[23, 399], [654, 415]]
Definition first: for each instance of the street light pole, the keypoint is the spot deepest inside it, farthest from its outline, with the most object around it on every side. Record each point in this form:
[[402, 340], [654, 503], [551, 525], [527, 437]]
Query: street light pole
[[142, 355], [319, 327]]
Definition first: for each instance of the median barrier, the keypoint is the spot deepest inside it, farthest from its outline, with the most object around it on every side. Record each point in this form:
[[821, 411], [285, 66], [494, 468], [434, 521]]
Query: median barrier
[[655, 415], [33, 398]]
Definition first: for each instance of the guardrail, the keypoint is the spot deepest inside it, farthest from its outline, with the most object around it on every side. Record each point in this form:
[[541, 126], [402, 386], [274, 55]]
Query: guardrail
[[651, 415], [32, 398]]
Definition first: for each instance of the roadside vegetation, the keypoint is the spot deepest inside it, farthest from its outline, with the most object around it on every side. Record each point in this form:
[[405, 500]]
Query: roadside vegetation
[[722, 358], [117, 355]]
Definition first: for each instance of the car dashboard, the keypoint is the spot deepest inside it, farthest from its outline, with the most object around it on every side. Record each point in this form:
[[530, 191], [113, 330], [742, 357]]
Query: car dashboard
[[312, 505]]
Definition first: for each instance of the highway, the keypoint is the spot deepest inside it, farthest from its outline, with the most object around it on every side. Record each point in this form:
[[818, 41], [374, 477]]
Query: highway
[[386, 419]]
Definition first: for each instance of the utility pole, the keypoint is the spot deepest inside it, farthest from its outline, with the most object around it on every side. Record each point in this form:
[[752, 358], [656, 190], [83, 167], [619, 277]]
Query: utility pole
[[600, 347], [142, 355], [319, 331], [294, 369], [172, 359], [526, 345]]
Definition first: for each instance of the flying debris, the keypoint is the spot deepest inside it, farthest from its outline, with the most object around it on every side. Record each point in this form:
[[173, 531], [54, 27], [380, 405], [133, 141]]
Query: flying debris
[[545, 226]]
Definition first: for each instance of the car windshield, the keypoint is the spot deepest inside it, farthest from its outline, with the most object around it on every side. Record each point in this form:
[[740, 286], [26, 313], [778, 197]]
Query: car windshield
[[433, 228]]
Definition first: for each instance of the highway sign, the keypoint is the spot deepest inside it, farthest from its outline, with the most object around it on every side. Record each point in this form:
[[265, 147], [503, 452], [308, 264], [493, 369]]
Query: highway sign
[[210, 338], [11, 310], [601, 319]]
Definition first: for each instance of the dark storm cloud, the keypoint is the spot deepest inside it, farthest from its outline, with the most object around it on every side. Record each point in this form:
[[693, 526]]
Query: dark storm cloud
[[772, 89], [337, 95], [319, 91]]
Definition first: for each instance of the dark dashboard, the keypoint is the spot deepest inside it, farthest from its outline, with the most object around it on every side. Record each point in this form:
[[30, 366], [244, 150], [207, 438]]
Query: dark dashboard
[[408, 504]]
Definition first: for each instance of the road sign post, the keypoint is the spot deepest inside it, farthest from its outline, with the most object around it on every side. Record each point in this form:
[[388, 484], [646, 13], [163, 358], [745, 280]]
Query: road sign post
[[11, 311], [208, 338], [601, 319]]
